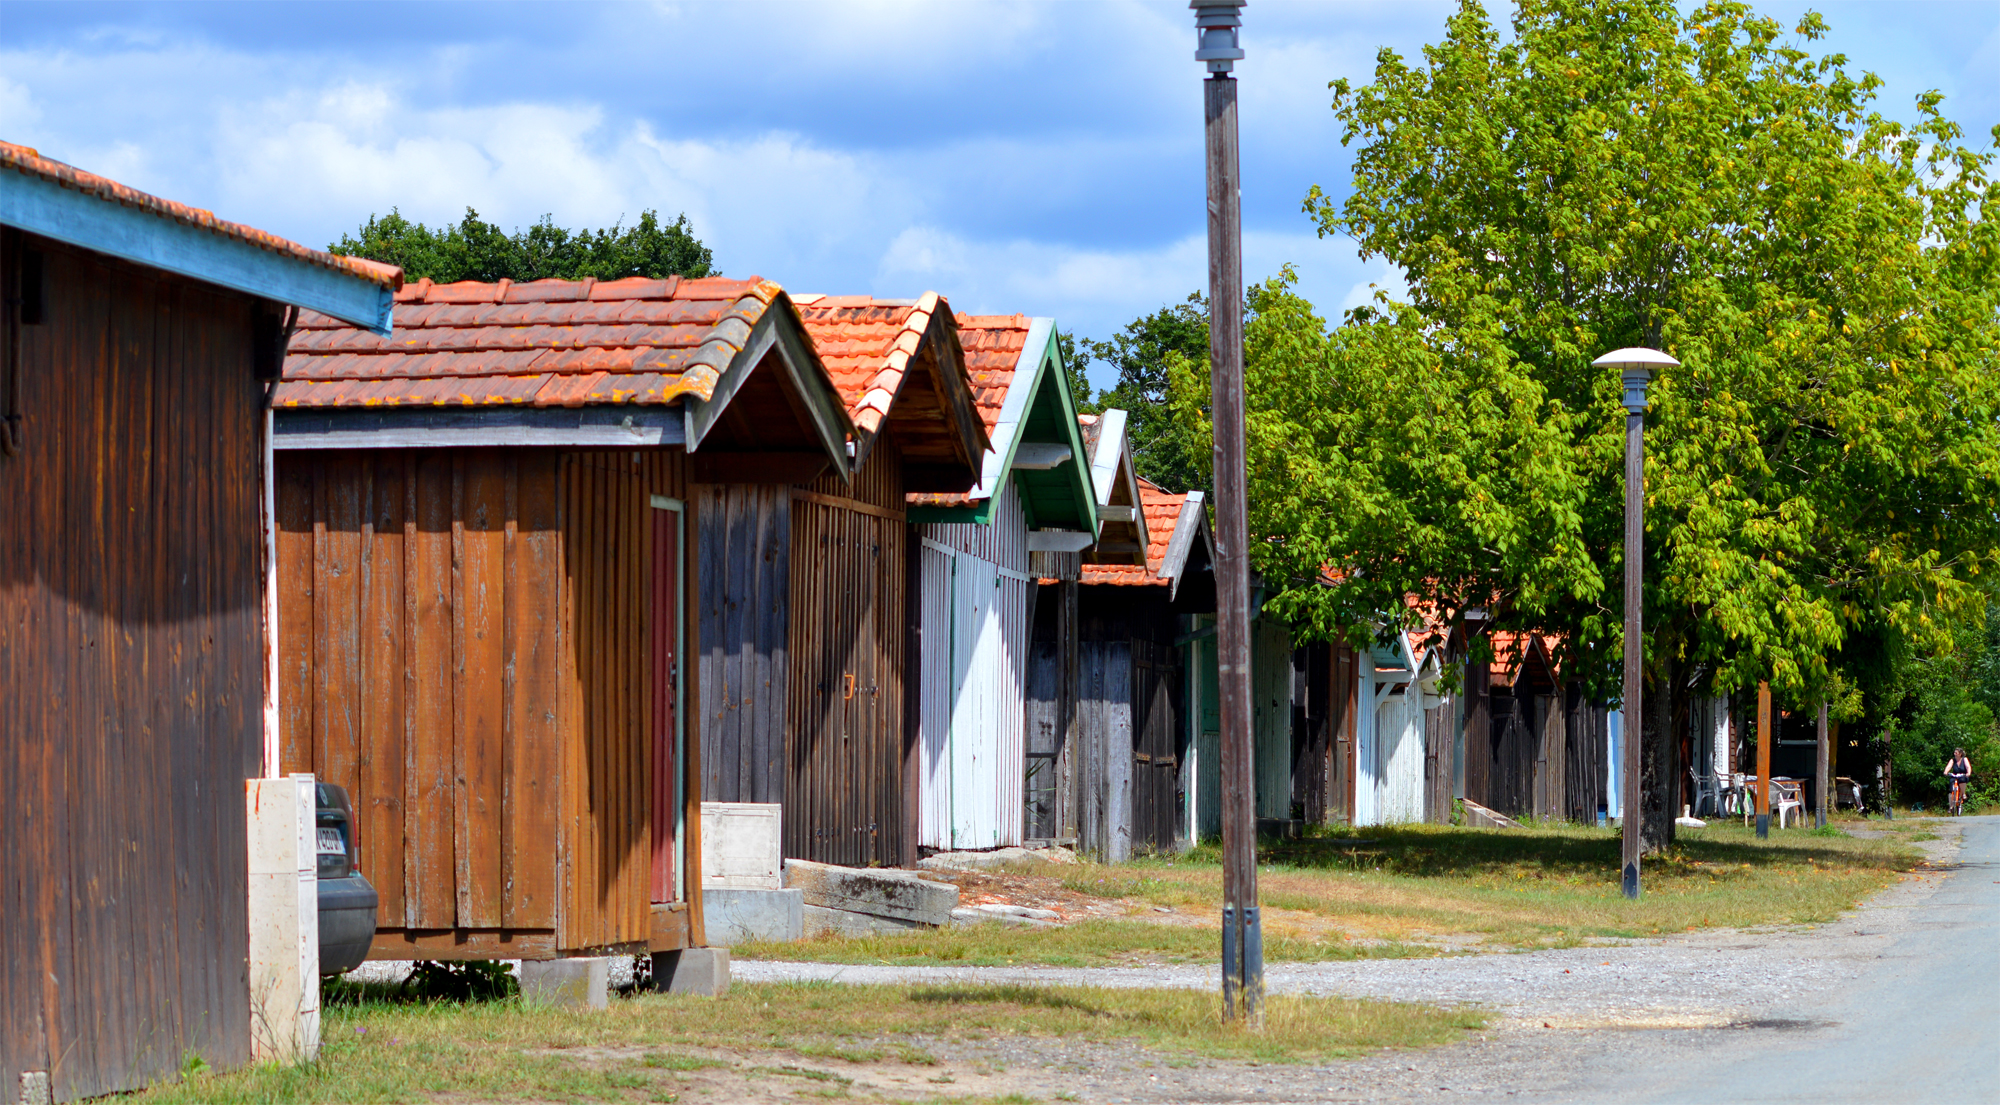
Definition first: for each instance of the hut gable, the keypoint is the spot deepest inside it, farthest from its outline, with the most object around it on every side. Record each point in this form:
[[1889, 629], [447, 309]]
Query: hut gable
[[1177, 543], [901, 372], [1122, 534], [1022, 393]]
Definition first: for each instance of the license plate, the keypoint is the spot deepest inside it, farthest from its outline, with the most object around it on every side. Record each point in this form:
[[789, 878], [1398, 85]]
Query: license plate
[[330, 843]]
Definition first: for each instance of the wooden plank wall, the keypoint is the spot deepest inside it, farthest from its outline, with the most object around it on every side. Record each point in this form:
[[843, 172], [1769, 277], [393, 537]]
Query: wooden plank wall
[[463, 646], [1341, 722], [1158, 802], [1104, 736], [1585, 748], [849, 643], [131, 665], [606, 806], [742, 554]]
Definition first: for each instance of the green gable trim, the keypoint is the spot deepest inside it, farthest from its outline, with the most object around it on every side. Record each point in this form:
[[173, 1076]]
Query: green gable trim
[[1061, 497]]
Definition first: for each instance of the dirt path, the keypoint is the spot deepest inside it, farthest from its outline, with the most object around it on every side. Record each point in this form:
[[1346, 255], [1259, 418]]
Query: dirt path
[[1569, 1021]]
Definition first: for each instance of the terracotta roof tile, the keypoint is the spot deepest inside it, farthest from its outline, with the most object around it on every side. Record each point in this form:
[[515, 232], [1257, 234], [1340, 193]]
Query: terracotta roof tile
[[1163, 512], [24, 159], [866, 345], [549, 343]]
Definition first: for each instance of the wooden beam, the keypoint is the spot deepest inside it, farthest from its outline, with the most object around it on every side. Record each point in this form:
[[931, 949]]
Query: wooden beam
[[755, 467], [1041, 456], [459, 427]]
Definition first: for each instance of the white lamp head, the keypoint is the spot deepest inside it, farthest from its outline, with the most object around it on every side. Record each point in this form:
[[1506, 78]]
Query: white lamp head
[[1636, 366], [1216, 22]]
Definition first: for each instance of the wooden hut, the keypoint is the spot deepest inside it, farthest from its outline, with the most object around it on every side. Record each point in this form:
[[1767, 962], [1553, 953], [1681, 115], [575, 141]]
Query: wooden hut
[[140, 335], [502, 535], [974, 579], [850, 760], [1397, 681]]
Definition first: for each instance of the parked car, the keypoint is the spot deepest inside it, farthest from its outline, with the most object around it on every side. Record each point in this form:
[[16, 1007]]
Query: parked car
[[347, 903]]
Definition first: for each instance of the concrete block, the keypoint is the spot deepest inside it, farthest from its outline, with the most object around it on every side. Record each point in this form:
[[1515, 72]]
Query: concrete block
[[997, 858], [577, 983], [700, 971], [742, 845], [733, 917], [821, 921], [899, 895], [283, 884]]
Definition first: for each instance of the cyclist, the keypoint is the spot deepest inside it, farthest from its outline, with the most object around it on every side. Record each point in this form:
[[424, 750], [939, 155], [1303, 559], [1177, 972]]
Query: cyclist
[[1958, 771]]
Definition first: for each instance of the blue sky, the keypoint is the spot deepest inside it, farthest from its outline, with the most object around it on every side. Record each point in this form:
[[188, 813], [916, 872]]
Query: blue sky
[[1041, 158]]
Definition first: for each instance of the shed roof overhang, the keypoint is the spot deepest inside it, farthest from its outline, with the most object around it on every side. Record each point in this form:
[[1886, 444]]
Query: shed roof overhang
[[773, 416], [1122, 535], [208, 250], [1037, 445]]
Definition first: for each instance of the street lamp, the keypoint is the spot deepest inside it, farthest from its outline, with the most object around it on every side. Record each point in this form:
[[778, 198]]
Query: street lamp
[[1636, 367], [1216, 22]]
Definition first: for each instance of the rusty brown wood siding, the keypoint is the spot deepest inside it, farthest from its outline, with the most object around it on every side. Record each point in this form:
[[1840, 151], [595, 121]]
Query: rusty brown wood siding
[[849, 636], [459, 648], [131, 664], [607, 791]]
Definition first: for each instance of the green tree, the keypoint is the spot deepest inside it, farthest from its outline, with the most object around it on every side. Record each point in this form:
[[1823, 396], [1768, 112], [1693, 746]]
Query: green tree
[[1825, 465], [1162, 450], [478, 250]]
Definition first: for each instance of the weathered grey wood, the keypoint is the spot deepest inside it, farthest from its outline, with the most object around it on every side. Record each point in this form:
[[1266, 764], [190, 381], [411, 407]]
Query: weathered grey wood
[[1117, 751], [743, 548]]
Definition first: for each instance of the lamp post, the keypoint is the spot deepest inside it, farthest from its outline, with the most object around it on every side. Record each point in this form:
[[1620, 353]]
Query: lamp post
[[1216, 22], [1635, 367]]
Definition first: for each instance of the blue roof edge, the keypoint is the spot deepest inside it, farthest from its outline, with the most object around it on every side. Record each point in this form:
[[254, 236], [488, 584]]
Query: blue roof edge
[[44, 207]]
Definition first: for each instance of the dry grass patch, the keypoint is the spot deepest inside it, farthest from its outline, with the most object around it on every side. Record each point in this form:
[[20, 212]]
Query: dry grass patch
[[776, 1042], [1095, 943], [1424, 889]]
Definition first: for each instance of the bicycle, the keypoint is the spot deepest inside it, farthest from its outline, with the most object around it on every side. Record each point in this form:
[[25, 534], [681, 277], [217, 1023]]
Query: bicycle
[[1957, 805]]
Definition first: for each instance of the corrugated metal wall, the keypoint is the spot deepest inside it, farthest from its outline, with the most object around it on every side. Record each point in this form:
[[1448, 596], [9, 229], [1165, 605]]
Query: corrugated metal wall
[[131, 665], [849, 634], [1397, 770], [464, 645], [972, 755]]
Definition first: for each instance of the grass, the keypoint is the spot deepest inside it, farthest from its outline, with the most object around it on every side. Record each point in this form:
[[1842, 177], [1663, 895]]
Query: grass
[[665, 1047], [1417, 889]]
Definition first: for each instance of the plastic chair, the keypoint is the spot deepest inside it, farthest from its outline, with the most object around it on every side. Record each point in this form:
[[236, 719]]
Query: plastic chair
[[1787, 797]]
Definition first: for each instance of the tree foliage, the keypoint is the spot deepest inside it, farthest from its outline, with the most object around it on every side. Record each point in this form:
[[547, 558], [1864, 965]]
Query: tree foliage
[[1164, 451], [478, 250], [1825, 463]]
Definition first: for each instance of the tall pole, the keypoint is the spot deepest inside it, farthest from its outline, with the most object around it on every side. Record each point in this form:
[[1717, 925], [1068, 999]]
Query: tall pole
[[1819, 772], [1242, 933], [1635, 367], [1635, 567], [1763, 761]]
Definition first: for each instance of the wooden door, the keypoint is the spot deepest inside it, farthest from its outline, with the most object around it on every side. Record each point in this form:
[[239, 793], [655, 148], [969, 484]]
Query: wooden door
[[669, 642], [1156, 797]]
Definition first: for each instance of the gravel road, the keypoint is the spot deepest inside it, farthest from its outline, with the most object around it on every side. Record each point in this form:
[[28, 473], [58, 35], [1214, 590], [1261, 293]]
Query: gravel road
[[1681, 1018]]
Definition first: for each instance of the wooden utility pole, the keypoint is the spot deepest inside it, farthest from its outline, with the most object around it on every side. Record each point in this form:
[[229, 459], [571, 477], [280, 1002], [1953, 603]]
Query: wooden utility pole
[[1819, 773], [1242, 933], [1763, 761], [1635, 367]]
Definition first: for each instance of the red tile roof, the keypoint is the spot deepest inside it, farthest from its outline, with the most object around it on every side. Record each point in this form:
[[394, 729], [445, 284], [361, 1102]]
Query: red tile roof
[[866, 344], [24, 159], [550, 343], [1163, 512]]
